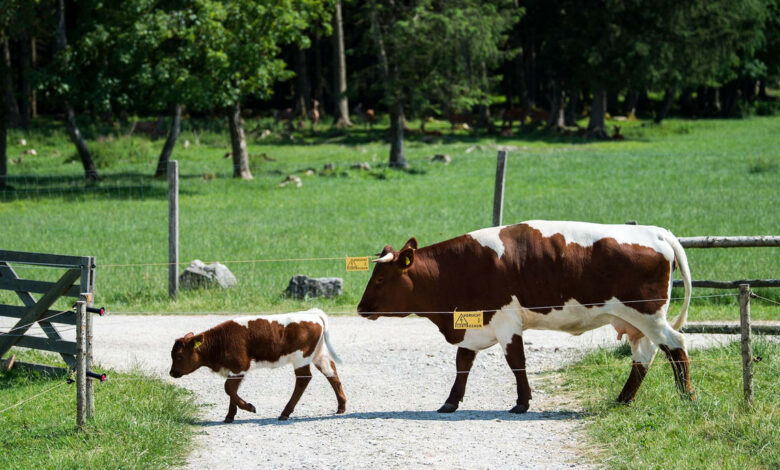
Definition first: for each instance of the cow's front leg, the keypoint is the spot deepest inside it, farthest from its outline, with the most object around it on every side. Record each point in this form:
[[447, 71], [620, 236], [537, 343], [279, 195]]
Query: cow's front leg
[[515, 357], [302, 379], [463, 362], [231, 388]]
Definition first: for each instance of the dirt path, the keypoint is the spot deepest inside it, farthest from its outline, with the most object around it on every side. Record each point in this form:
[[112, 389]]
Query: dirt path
[[396, 373]]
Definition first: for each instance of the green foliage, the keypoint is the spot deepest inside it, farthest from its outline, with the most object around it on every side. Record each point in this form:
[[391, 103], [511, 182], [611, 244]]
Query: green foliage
[[139, 422], [660, 430]]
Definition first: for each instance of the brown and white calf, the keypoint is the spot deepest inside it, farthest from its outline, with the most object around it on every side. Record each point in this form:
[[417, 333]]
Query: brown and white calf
[[565, 276], [233, 347]]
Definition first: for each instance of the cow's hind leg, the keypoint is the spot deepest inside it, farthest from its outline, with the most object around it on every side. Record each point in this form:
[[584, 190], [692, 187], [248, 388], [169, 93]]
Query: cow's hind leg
[[302, 379], [328, 369], [231, 388], [642, 353], [463, 362], [514, 352]]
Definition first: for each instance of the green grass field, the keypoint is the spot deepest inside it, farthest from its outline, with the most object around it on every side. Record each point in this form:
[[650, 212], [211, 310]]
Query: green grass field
[[139, 422], [710, 177], [660, 430]]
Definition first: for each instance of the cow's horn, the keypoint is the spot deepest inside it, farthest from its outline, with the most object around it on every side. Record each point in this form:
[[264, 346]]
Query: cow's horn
[[384, 259]]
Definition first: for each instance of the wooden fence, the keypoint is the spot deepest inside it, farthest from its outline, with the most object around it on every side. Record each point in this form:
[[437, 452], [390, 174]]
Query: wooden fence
[[77, 281]]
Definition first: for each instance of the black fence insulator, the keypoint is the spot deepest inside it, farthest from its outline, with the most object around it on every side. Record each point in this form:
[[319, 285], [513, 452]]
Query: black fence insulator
[[95, 375], [99, 310]]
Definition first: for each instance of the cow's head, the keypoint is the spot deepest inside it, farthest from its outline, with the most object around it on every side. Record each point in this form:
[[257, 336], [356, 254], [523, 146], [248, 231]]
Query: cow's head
[[390, 288], [185, 355]]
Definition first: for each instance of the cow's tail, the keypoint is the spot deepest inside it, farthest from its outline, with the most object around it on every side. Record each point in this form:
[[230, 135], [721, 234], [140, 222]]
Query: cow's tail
[[682, 262], [326, 334]]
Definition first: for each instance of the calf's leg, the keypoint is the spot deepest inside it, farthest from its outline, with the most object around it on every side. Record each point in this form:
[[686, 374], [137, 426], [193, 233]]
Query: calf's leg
[[464, 359], [328, 369], [515, 357], [302, 379], [231, 388]]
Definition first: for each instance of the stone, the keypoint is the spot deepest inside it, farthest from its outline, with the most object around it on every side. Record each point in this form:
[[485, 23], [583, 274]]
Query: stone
[[302, 287], [361, 166], [198, 274], [446, 159], [292, 179]]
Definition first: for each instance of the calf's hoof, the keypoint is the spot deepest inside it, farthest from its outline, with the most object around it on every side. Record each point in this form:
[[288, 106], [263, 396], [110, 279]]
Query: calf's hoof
[[447, 408], [341, 410], [283, 417], [251, 408], [228, 419], [517, 409]]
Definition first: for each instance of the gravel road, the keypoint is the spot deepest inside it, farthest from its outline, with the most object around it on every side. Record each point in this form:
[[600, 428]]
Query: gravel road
[[396, 373]]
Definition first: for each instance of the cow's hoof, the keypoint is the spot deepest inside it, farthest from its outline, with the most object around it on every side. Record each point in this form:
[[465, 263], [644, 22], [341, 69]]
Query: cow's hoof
[[283, 418], [519, 409], [251, 408], [228, 419], [341, 411], [447, 408]]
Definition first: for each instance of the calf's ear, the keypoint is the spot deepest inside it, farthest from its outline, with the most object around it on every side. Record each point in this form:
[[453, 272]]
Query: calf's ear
[[405, 258], [197, 341]]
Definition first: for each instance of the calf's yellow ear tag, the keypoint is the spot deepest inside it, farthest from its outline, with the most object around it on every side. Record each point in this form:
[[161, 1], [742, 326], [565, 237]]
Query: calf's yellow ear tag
[[197, 345], [407, 261]]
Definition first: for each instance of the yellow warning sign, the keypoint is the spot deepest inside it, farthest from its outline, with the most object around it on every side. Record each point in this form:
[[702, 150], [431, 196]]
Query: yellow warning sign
[[359, 263], [467, 320]]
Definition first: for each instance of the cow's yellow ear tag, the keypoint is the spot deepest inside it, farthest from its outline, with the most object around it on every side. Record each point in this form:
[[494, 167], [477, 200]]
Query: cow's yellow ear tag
[[197, 345], [407, 261]]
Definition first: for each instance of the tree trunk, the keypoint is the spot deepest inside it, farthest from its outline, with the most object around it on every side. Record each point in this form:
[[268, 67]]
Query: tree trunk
[[25, 109], [340, 70], [665, 106], [3, 138], [596, 127], [170, 142], [557, 121], [90, 172], [11, 107], [570, 115], [238, 143], [34, 60], [629, 107], [612, 102], [319, 81], [302, 90], [397, 157]]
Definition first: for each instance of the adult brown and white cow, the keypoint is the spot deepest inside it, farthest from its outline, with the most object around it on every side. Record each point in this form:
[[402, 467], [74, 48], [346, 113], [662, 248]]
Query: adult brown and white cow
[[233, 347], [566, 276]]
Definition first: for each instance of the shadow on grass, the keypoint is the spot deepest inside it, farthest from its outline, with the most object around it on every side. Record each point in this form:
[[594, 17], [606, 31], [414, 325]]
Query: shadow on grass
[[461, 415], [116, 186]]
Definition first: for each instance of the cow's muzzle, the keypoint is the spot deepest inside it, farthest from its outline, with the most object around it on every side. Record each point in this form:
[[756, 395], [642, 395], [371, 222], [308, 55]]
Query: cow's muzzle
[[175, 374]]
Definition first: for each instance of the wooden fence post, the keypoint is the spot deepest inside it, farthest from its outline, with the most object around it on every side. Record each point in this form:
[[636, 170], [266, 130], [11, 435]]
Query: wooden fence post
[[747, 347], [81, 363], [87, 295], [173, 228], [498, 194]]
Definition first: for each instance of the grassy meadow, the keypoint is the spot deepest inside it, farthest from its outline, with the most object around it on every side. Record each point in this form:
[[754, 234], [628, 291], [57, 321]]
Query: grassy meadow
[[660, 430], [708, 177], [139, 422]]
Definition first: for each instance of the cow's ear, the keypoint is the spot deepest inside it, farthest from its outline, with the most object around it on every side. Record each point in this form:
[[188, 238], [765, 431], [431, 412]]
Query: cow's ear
[[411, 243], [406, 258], [188, 335]]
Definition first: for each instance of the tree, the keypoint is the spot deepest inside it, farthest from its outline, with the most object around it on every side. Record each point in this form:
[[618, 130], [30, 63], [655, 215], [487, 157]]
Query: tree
[[434, 52], [340, 70]]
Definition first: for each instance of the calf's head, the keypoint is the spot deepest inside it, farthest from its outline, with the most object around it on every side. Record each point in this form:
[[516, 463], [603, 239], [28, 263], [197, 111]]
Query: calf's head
[[185, 355], [389, 291]]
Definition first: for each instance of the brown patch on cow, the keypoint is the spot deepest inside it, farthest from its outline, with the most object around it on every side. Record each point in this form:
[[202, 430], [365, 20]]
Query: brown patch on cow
[[515, 357], [635, 378]]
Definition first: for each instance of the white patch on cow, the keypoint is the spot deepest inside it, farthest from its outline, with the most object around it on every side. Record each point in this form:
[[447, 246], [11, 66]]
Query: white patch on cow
[[313, 315], [503, 326], [488, 237], [586, 234]]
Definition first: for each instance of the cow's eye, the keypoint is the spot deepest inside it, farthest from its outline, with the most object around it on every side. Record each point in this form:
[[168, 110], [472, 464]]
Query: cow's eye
[[180, 357], [380, 280]]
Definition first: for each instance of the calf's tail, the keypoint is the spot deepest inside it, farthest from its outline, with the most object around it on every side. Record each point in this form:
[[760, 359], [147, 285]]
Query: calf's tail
[[682, 262], [326, 334]]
